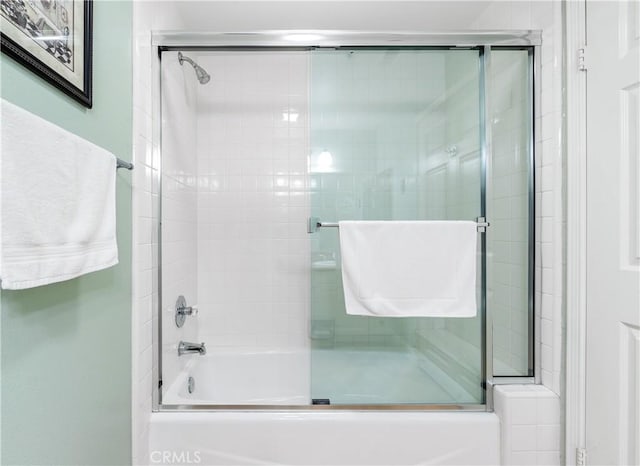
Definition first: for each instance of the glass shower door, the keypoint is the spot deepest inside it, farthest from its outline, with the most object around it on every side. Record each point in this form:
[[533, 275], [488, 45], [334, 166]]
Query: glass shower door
[[395, 134]]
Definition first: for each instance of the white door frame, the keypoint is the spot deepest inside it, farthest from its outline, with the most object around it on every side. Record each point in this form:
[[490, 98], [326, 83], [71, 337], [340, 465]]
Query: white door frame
[[576, 177]]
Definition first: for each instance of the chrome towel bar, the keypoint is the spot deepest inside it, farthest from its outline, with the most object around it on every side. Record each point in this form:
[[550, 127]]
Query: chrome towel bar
[[122, 164], [314, 224]]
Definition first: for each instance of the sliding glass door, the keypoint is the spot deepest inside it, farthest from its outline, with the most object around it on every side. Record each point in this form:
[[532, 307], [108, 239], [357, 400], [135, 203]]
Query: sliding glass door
[[395, 134]]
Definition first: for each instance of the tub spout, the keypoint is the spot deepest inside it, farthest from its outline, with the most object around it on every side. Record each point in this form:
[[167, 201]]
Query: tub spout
[[184, 347]]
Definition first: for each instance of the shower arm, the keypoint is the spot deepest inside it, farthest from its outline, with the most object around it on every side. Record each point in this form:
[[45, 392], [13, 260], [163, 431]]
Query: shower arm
[[182, 58]]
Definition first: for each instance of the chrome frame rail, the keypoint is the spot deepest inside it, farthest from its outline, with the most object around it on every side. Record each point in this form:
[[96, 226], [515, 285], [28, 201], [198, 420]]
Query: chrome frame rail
[[486, 346], [533, 75], [473, 407]]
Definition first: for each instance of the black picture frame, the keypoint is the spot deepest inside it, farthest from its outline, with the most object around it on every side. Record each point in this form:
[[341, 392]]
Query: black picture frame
[[52, 42]]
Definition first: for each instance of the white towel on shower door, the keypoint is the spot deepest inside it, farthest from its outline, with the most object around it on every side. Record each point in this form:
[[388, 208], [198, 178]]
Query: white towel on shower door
[[409, 268], [57, 217]]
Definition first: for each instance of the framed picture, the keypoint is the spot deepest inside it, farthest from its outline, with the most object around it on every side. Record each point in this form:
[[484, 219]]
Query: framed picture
[[52, 38]]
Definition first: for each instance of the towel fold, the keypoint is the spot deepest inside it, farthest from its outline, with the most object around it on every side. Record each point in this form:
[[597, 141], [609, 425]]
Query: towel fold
[[409, 268], [57, 217]]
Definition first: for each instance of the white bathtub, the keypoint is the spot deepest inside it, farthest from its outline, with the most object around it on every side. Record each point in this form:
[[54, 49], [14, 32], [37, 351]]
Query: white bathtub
[[344, 375], [318, 437], [324, 438], [245, 377]]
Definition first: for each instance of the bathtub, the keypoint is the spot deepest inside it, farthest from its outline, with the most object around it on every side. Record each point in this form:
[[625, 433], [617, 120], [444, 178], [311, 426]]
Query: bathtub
[[308, 436], [342, 375], [243, 377], [326, 438]]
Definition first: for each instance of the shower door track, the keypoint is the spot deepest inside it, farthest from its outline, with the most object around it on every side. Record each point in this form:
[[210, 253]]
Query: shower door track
[[273, 41], [341, 407]]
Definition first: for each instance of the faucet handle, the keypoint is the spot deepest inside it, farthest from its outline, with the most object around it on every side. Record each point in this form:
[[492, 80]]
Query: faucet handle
[[187, 310]]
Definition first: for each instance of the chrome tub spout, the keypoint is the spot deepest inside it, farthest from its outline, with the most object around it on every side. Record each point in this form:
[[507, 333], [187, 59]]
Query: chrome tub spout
[[185, 347]]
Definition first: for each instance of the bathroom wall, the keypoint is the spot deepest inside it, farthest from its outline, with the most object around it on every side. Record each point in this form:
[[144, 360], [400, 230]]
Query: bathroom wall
[[145, 252], [530, 427], [527, 438], [66, 351], [253, 247], [547, 17], [178, 188]]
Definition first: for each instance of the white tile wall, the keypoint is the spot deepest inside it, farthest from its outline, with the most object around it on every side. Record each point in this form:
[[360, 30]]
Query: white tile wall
[[549, 194], [144, 251], [253, 203], [529, 425], [513, 405], [547, 17], [147, 16]]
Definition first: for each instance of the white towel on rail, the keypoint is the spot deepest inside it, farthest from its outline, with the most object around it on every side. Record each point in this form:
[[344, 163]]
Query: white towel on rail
[[409, 268], [57, 217]]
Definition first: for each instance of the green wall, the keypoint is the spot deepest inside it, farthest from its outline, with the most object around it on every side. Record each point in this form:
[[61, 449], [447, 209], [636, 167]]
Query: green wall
[[66, 348]]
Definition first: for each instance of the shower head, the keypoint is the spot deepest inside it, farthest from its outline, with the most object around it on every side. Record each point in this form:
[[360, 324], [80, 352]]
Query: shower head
[[201, 74]]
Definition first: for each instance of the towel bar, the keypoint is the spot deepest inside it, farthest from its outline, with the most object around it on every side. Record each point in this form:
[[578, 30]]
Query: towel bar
[[122, 164], [314, 224]]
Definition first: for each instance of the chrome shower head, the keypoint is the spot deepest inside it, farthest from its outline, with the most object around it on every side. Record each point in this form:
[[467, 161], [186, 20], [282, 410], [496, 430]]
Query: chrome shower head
[[201, 74]]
